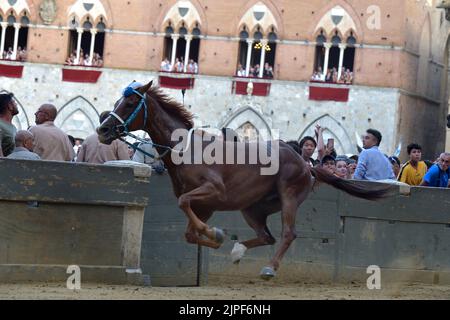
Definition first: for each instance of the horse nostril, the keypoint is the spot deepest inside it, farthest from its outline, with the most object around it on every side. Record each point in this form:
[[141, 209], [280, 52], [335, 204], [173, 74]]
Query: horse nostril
[[103, 130]]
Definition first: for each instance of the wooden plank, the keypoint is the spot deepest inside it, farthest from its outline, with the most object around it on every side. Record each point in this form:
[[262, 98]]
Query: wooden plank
[[70, 183], [60, 234]]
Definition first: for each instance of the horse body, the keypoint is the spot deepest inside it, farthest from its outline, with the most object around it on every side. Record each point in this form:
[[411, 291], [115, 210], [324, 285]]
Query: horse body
[[202, 189]]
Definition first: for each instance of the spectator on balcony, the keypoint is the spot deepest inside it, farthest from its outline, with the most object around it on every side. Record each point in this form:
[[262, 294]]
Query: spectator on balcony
[[256, 71], [316, 76], [87, 61], [97, 61], [165, 65], [268, 71], [22, 54], [9, 54], [348, 77], [178, 66], [251, 73], [334, 75], [71, 60], [329, 76], [192, 66], [240, 71]]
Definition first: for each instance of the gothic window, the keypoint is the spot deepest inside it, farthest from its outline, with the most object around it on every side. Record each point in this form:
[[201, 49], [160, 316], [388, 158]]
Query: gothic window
[[87, 25], [257, 43], [182, 26], [14, 30]]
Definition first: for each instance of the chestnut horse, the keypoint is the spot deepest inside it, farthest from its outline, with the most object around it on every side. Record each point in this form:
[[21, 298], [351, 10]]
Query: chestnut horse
[[203, 188]]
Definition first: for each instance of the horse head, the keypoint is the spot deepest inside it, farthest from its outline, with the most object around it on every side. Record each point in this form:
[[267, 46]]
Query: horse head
[[130, 114]]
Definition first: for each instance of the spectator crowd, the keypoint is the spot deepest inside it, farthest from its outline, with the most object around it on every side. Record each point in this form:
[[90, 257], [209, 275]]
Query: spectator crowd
[[178, 66], [85, 60], [332, 76], [48, 142], [372, 165], [20, 56], [254, 71]]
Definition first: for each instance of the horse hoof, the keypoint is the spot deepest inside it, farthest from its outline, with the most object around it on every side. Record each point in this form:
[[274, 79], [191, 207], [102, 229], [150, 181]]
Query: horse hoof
[[219, 235], [267, 273], [238, 252]]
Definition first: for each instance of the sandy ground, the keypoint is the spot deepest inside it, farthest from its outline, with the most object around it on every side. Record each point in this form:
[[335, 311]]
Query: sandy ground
[[251, 290]]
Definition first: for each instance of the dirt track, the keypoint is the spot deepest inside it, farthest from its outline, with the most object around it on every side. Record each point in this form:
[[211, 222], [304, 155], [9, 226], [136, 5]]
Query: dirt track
[[251, 290]]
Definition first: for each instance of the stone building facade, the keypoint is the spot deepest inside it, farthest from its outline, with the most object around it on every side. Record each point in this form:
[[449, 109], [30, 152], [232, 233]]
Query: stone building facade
[[397, 51]]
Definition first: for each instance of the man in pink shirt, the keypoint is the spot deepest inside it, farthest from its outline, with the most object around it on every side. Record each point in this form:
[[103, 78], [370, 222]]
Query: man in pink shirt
[[51, 143]]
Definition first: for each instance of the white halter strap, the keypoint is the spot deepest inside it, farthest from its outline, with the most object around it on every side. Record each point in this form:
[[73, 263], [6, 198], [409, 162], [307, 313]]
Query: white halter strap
[[117, 117]]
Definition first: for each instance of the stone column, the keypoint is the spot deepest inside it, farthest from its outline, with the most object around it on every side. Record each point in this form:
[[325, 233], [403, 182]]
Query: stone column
[[327, 58], [91, 52], [175, 38], [342, 48], [188, 48], [16, 40], [80, 33], [2, 46], [249, 56], [263, 57]]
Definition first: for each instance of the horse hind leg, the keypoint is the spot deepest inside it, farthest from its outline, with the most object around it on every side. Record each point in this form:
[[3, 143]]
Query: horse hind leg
[[256, 218], [290, 204]]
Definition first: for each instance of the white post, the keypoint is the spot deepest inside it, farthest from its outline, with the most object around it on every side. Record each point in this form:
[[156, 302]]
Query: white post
[[341, 59], [327, 58], [174, 49], [2, 46], [80, 33], [188, 48], [249, 56], [91, 52], [263, 57], [16, 40]]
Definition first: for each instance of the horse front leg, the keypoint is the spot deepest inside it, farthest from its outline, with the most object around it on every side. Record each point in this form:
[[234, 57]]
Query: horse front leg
[[207, 193], [193, 238]]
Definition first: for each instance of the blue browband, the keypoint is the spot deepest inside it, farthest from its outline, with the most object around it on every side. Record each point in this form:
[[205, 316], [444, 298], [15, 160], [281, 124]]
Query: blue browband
[[123, 128]]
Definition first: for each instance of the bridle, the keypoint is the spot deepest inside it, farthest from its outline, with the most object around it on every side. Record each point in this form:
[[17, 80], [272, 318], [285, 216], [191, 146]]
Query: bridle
[[123, 129]]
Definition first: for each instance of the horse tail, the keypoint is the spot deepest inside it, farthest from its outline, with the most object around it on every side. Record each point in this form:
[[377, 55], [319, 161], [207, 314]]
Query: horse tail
[[351, 187]]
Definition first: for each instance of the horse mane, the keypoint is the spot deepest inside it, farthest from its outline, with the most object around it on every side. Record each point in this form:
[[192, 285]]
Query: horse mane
[[172, 107]]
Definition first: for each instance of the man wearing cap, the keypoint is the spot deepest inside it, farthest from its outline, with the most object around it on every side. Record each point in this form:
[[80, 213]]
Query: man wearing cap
[[372, 164]]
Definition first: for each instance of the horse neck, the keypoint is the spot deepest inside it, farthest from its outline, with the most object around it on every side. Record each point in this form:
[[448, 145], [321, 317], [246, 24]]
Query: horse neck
[[160, 126]]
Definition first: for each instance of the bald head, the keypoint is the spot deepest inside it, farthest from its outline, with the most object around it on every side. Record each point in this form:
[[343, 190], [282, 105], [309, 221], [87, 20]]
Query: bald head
[[25, 139], [46, 112]]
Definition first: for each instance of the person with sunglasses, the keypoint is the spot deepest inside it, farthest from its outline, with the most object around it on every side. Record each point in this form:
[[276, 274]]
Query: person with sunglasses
[[438, 175]]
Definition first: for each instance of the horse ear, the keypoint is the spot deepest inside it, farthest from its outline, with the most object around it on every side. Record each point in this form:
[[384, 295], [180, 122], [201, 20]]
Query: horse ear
[[145, 88]]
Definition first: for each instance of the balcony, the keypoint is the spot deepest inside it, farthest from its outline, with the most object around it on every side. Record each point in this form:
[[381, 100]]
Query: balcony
[[11, 69], [261, 87], [81, 74], [176, 80], [322, 91]]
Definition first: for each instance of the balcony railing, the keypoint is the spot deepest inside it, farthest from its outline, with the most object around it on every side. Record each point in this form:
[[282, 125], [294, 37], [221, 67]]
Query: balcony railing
[[176, 80], [325, 91], [11, 68], [261, 86], [81, 74]]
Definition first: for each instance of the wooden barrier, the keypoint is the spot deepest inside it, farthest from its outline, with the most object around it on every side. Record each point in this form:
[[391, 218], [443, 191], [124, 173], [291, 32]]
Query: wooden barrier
[[54, 214]]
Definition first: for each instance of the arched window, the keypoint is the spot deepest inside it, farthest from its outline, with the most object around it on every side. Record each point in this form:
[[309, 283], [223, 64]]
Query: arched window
[[320, 53], [257, 43], [87, 34], [336, 57], [14, 31], [182, 41]]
